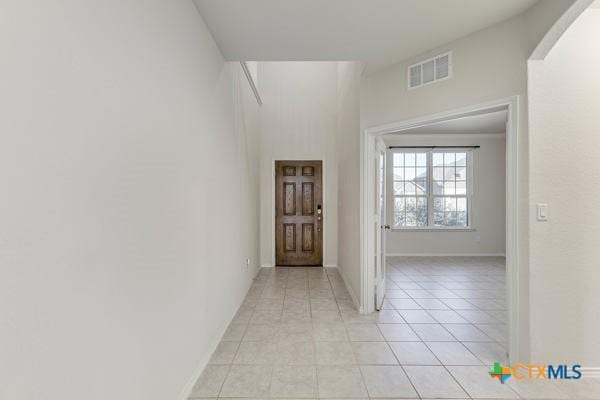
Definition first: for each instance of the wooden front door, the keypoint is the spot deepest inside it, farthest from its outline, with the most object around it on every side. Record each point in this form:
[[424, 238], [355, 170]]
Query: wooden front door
[[299, 212]]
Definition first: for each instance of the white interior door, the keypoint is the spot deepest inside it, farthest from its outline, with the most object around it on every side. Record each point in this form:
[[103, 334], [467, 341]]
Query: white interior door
[[380, 225]]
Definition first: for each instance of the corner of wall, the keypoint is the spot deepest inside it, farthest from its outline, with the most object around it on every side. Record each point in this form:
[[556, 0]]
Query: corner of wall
[[355, 298], [547, 21]]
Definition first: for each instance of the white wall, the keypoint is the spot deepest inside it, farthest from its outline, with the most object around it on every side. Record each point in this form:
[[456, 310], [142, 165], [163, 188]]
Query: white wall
[[125, 220], [564, 91], [541, 17], [489, 201], [298, 121], [488, 65], [348, 144]]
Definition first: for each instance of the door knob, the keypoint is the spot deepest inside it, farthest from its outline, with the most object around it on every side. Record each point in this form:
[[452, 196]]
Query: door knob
[[387, 227]]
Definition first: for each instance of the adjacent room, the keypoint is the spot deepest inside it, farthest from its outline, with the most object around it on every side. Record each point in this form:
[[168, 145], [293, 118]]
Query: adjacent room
[[444, 233]]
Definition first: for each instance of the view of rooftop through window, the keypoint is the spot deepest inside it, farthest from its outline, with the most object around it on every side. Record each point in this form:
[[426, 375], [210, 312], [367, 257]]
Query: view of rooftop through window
[[431, 188]]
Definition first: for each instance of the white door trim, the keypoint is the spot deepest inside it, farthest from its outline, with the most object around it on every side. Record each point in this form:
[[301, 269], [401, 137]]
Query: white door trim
[[512, 204], [380, 222]]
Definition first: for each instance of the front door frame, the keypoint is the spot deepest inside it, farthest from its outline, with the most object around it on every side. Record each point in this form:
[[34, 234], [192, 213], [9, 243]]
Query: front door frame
[[273, 206], [367, 300]]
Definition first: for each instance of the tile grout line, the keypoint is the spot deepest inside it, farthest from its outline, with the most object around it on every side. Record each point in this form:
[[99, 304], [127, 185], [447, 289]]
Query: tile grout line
[[398, 360], [345, 323], [469, 323], [450, 308], [449, 372]]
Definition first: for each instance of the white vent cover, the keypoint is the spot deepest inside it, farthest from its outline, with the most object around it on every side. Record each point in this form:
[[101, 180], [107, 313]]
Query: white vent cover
[[429, 71]]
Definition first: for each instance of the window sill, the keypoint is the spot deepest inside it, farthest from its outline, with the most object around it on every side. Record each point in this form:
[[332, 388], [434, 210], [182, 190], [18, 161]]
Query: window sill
[[433, 229]]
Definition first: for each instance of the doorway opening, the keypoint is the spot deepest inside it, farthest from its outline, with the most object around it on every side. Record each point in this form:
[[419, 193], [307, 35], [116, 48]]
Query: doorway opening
[[440, 212], [299, 213]]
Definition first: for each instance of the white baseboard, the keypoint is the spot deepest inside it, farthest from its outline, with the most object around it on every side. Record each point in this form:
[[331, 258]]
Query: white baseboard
[[326, 266], [349, 289], [445, 255], [187, 390], [590, 372]]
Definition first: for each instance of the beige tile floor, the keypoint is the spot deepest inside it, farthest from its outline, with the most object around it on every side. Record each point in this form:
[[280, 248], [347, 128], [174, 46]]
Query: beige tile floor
[[298, 335]]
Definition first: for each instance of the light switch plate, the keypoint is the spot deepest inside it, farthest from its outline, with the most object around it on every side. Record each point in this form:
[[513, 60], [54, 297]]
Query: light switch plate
[[542, 212]]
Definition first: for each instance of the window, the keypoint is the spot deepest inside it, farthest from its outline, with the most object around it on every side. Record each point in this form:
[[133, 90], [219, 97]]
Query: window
[[431, 188]]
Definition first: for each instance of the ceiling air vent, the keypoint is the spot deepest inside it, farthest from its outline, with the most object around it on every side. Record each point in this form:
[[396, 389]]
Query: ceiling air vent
[[430, 71]]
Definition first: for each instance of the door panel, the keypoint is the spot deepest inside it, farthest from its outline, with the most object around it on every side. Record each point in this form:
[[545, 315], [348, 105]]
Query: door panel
[[380, 226], [289, 238], [289, 204], [308, 237], [308, 198], [298, 213]]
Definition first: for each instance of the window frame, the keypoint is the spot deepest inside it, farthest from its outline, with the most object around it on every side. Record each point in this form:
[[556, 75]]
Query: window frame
[[430, 150]]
